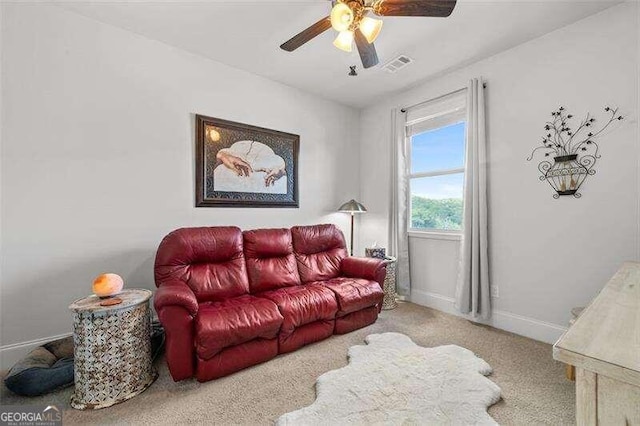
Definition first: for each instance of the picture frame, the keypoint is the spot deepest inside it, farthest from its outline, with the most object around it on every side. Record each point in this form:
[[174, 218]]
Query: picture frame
[[240, 165]]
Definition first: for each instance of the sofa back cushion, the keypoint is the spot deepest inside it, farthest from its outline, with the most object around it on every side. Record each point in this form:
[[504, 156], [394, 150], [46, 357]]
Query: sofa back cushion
[[210, 260], [319, 250], [270, 260]]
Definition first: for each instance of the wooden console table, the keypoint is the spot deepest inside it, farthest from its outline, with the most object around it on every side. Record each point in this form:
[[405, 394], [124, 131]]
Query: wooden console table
[[604, 346]]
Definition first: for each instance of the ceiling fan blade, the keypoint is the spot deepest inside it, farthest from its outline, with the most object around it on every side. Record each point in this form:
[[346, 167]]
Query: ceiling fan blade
[[367, 50], [301, 38], [436, 8]]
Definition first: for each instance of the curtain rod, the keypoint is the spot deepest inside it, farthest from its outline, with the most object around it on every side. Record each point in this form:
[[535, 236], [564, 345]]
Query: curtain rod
[[484, 86]]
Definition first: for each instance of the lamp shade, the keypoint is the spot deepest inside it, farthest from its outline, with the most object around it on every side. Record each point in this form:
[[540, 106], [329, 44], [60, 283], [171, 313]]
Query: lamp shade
[[341, 17], [370, 28], [352, 206], [344, 41]]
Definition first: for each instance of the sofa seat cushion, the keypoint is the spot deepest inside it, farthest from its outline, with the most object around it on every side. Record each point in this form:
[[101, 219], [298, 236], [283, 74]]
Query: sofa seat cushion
[[235, 321], [354, 294], [303, 304]]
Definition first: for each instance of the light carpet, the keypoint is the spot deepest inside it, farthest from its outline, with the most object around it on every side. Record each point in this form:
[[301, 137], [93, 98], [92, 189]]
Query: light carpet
[[393, 381], [534, 389]]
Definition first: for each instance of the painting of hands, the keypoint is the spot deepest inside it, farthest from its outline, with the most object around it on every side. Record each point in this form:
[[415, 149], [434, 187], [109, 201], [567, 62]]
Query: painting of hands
[[250, 166], [239, 165]]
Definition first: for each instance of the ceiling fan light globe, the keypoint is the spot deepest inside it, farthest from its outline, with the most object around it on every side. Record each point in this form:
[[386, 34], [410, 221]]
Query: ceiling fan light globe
[[344, 41], [341, 17], [370, 28]]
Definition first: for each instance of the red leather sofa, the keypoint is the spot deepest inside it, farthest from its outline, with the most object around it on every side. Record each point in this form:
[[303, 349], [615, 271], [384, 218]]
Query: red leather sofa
[[230, 299]]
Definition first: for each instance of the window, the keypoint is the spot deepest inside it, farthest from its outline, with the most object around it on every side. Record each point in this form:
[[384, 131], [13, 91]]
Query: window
[[436, 138]]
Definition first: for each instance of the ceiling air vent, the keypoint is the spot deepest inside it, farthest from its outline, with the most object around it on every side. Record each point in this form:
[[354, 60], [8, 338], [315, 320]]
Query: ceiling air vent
[[397, 63]]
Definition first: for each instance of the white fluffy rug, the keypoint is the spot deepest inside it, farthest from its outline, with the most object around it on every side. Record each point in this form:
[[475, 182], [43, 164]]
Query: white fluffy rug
[[393, 381]]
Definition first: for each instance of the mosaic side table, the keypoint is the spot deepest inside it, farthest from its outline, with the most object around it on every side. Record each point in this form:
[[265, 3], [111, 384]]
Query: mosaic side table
[[389, 301], [112, 350]]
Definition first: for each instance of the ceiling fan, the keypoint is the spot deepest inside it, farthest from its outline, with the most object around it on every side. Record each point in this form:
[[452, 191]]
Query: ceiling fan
[[349, 18]]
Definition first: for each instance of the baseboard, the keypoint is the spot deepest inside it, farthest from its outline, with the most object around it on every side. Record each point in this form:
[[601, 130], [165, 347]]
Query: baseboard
[[435, 301], [518, 324], [10, 354], [529, 327]]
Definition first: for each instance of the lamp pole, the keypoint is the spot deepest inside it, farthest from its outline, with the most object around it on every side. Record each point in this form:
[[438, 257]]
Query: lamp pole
[[352, 216]]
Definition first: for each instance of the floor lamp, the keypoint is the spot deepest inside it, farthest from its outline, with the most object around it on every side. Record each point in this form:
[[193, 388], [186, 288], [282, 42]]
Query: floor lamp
[[352, 207]]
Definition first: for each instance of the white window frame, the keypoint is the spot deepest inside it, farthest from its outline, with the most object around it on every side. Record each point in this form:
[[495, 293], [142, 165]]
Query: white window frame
[[432, 233]]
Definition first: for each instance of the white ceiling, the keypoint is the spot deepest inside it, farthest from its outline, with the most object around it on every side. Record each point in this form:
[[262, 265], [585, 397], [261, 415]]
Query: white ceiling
[[247, 35]]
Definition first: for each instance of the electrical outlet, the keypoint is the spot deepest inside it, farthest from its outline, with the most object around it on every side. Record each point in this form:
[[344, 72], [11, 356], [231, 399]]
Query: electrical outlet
[[495, 293]]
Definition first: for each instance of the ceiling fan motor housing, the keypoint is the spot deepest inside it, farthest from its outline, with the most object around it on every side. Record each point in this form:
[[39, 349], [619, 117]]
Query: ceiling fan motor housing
[[357, 7]]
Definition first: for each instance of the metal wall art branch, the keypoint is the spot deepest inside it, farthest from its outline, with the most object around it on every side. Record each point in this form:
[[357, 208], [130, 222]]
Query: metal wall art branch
[[574, 150]]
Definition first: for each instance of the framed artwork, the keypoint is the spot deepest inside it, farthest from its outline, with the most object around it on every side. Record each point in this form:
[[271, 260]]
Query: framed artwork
[[238, 165]]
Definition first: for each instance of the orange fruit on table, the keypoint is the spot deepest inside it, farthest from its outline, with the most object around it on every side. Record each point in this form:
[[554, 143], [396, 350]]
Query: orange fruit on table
[[107, 285]]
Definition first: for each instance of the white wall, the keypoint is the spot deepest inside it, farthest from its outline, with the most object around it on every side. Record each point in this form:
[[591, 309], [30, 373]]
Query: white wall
[[547, 255], [98, 157]]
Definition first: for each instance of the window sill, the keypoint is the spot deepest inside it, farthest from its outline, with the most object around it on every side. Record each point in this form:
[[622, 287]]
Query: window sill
[[436, 235]]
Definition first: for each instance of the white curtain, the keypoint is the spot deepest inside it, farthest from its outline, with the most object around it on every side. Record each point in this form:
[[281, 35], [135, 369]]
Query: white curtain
[[398, 238], [473, 289]]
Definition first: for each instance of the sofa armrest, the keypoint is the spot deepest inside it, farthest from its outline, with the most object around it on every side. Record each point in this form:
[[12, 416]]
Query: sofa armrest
[[177, 307], [364, 267], [176, 293]]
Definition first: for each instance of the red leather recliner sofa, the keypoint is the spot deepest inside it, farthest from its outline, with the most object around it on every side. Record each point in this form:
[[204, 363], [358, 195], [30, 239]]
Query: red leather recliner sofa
[[230, 299]]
